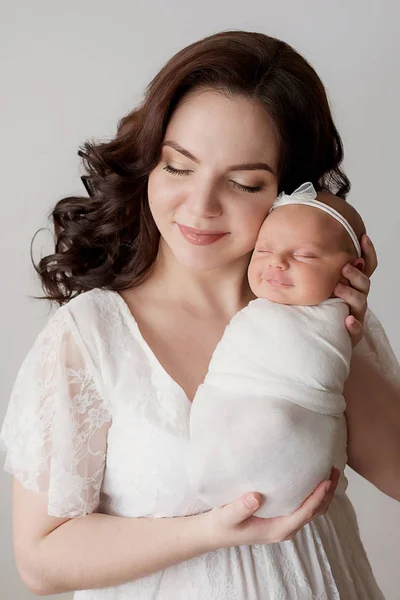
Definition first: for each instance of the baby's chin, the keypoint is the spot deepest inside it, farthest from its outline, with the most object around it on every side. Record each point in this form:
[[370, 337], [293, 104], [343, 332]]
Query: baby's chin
[[278, 299], [288, 296], [273, 293]]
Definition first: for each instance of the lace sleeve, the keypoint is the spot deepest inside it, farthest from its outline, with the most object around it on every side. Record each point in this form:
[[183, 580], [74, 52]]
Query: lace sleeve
[[376, 347], [56, 424]]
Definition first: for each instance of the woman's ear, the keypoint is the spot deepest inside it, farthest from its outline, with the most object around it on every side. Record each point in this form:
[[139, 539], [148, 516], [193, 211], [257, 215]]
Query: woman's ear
[[359, 264]]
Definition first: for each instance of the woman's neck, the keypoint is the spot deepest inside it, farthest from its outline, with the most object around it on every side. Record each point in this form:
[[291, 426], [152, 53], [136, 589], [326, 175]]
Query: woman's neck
[[222, 291]]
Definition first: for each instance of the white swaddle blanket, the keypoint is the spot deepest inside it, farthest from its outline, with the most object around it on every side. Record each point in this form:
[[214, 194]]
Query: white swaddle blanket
[[267, 415]]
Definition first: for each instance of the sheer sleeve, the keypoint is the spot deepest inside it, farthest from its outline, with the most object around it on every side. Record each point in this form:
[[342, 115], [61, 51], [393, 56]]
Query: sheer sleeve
[[376, 347], [56, 424]]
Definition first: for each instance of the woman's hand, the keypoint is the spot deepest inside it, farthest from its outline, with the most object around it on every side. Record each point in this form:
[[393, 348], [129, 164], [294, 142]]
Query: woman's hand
[[355, 293], [235, 525]]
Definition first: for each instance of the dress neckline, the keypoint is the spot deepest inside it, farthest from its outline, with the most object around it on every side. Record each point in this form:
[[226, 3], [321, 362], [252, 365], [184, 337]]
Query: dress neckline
[[135, 329]]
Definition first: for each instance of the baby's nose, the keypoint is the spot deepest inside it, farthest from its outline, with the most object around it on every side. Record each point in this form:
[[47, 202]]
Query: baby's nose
[[277, 261]]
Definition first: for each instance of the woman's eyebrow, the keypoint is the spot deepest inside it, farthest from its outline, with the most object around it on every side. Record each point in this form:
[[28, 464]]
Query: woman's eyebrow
[[243, 167]]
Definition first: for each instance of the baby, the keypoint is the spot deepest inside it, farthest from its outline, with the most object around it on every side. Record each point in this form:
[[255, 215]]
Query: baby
[[269, 414]]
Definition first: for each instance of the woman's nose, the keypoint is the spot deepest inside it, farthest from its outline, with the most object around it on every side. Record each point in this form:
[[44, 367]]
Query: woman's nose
[[203, 203]]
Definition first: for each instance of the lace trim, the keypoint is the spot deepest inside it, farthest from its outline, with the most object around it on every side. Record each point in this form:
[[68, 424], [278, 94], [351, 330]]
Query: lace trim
[[55, 429]]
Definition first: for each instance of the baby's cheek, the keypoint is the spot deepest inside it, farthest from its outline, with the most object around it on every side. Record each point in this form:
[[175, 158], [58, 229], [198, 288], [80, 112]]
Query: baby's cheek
[[318, 286], [330, 281], [254, 272]]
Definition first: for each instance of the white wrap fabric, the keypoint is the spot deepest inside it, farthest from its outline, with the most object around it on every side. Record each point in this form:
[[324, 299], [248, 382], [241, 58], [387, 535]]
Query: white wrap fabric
[[268, 416]]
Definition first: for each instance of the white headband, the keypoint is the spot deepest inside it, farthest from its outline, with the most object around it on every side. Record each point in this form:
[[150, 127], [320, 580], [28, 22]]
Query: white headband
[[306, 195]]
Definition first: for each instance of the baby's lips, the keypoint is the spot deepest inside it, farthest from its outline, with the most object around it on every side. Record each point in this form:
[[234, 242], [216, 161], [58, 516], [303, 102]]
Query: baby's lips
[[278, 280]]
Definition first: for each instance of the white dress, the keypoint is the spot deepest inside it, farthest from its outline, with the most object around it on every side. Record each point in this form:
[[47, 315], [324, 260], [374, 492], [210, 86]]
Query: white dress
[[96, 421]]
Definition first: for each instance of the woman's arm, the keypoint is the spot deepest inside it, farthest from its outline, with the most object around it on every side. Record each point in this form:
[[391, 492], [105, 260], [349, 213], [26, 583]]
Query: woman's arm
[[56, 555], [373, 398], [373, 421]]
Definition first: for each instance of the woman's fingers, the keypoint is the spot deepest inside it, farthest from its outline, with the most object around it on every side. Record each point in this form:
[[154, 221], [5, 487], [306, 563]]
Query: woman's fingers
[[356, 300], [227, 524], [355, 329], [234, 524], [357, 279], [330, 492], [355, 294], [369, 255], [316, 504], [241, 509]]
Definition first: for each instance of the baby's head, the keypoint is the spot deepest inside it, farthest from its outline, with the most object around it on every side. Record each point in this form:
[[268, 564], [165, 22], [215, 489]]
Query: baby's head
[[301, 250]]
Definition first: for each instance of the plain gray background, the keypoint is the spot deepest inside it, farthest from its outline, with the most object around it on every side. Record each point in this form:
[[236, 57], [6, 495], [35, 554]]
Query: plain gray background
[[70, 70]]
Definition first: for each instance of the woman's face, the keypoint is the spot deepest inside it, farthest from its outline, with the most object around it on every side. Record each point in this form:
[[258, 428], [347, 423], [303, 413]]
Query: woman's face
[[215, 180]]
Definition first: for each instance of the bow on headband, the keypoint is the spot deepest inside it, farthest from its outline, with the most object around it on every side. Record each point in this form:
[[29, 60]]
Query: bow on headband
[[306, 195]]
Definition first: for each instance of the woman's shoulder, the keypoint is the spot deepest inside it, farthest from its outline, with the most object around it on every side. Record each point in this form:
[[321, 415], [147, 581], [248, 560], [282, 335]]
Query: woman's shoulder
[[98, 318], [95, 309], [92, 302]]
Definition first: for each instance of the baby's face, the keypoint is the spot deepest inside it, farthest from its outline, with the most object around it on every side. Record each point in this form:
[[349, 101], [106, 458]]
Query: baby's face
[[298, 256]]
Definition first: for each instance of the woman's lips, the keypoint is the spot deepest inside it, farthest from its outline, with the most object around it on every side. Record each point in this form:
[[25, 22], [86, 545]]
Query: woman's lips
[[199, 237]]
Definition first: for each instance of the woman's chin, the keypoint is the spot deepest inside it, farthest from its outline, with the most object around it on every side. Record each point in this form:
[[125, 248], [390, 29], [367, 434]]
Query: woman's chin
[[200, 264], [203, 258]]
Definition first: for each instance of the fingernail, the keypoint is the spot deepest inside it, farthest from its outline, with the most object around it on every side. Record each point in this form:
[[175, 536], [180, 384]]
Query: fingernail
[[367, 239], [347, 268], [251, 502]]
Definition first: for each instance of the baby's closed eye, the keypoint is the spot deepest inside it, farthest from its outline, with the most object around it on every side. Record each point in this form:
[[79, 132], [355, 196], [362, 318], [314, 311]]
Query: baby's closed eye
[[304, 255]]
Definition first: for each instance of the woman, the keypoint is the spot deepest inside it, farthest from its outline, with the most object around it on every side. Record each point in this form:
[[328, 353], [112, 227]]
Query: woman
[[98, 420]]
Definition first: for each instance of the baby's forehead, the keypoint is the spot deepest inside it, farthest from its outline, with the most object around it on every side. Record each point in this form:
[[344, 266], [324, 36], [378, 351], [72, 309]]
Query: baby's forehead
[[302, 220], [302, 226]]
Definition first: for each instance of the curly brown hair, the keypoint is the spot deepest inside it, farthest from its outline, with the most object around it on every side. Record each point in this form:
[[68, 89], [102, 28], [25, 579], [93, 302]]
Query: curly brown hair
[[109, 239]]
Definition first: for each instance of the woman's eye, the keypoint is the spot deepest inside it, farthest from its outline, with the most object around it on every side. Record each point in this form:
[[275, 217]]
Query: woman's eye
[[243, 188], [173, 171], [247, 188]]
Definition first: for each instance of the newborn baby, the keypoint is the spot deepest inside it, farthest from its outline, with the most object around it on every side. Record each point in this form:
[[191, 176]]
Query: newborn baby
[[266, 418]]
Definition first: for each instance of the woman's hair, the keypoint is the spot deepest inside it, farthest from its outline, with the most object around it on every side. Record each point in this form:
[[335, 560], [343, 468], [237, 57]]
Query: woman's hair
[[109, 239]]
